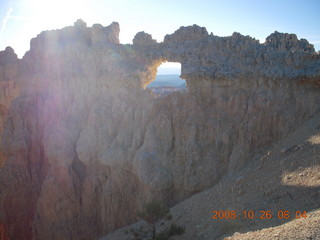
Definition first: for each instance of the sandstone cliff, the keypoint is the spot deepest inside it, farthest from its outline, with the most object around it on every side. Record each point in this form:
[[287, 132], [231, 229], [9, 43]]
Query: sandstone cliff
[[85, 145]]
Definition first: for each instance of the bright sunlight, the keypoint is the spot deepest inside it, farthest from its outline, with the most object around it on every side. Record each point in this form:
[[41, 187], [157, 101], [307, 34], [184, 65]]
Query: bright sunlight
[[57, 13]]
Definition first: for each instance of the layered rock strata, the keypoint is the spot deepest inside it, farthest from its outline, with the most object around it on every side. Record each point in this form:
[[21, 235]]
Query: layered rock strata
[[85, 145]]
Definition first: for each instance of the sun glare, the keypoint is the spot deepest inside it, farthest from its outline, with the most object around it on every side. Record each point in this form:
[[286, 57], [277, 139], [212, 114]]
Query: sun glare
[[171, 65], [55, 14], [169, 68]]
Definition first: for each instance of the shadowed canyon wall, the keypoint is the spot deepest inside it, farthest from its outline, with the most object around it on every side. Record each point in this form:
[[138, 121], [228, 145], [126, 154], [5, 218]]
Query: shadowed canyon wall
[[84, 145], [8, 88]]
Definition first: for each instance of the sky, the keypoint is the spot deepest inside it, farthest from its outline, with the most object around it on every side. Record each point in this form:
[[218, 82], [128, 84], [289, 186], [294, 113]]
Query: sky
[[22, 20]]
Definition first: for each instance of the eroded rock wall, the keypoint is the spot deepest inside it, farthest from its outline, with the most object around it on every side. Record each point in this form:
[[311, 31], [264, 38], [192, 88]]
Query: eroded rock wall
[[86, 145], [9, 89]]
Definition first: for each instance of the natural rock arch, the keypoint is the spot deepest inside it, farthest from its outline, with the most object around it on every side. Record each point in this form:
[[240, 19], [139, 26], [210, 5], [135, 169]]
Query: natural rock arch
[[90, 145]]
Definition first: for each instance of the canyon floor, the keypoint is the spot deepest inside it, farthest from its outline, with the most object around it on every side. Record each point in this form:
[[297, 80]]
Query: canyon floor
[[285, 178]]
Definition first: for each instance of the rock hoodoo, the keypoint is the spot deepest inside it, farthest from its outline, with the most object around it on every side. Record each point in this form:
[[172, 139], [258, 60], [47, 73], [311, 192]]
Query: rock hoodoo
[[84, 145]]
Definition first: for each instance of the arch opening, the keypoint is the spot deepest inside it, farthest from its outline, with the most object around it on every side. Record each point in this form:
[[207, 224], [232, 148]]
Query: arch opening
[[168, 80]]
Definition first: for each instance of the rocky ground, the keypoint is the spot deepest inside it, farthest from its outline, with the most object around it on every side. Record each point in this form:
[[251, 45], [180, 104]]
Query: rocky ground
[[286, 178], [295, 230]]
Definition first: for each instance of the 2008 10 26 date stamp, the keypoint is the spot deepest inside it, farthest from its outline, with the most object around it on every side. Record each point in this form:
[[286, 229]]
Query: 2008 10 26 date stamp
[[258, 214]]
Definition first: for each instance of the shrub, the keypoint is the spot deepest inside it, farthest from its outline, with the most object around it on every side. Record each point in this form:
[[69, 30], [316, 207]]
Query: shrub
[[173, 230], [153, 212], [176, 230]]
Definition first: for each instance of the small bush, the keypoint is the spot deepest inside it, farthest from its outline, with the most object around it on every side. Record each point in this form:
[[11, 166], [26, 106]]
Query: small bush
[[135, 232], [152, 213], [173, 230], [176, 230], [163, 236]]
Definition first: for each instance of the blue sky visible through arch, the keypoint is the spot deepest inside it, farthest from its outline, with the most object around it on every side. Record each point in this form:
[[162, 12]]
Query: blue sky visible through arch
[[168, 75], [169, 68]]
